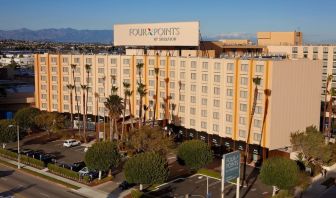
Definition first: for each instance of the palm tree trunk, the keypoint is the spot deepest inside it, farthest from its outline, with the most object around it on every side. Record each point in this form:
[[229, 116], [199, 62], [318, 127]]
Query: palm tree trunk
[[330, 117], [97, 121], [324, 111], [111, 129], [130, 110], [116, 129], [123, 121], [84, 117], [140, 112], [87, 100], [71, 110], [73, 76], [156, 96]]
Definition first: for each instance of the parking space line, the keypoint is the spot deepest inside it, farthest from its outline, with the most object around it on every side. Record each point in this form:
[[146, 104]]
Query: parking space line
[[214, 183], [201, 180]]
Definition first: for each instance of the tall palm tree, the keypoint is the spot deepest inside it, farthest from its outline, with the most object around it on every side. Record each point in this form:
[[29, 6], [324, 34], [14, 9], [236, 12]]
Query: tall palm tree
[[142, 92], [173, 107], [156, 70], [129, 94], [256, 82], [96, 95], [126, 89], [330, 106], [104, 83], [73, 68], [329, 78], [166, 100], [87, 69], [84, 88], [145, 108], [115, 106], [70, 88], [267, 93], [139, 67]]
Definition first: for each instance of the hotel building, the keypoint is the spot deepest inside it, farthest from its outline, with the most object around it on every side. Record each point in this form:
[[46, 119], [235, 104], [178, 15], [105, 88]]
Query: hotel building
[[213, 96]]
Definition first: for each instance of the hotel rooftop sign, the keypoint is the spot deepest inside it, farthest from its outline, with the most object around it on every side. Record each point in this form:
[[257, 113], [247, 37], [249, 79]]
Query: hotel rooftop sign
[[157, 34]]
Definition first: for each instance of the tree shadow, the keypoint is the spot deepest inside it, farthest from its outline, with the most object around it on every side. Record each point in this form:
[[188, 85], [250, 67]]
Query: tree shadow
[[13, 191], [253, 175]]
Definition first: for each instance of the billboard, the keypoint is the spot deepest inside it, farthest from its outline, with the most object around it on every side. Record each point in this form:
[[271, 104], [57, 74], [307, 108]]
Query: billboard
[[157, 34]]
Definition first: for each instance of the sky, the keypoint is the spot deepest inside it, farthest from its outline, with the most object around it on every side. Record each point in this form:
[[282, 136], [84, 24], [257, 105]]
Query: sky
[[218, 18]]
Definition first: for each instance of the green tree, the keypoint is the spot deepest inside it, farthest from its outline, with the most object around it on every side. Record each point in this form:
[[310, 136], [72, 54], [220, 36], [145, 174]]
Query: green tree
[[148, 139], [102, 156], [195, 154], [279, 172], [142, 91], [115, 106], [146, 168], [7, 133], [311, 143], [25, 118], [156, 70], [51, 122]]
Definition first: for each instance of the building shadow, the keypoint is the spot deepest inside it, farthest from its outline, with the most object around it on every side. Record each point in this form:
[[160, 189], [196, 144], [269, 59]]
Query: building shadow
[[13, 191]]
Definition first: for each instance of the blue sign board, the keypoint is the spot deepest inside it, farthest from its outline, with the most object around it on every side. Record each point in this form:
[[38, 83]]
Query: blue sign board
[[231, 166]]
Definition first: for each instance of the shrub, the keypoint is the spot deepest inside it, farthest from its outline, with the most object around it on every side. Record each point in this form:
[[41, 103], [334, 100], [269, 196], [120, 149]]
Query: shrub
[[136, 194], [32, 162], [63, 172], [8, 154]]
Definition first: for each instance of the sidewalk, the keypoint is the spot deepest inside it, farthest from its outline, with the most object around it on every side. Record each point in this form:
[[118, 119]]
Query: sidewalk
[[316, 189], [84, 190]]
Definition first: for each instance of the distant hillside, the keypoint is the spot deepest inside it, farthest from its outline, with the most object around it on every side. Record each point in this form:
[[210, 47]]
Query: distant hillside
[[59, 35]]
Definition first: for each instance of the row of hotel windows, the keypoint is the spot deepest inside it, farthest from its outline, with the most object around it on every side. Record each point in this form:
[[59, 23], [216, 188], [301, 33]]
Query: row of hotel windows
[[315, 49]]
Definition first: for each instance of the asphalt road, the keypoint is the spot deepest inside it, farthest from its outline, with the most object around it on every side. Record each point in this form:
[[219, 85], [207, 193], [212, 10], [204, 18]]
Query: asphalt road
[[18, 184]]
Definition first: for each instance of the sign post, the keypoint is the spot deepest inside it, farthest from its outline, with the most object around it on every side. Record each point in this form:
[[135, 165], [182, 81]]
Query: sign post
[[230, 170]]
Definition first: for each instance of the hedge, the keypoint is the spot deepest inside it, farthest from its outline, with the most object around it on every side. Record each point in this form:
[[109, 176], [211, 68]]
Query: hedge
[[63, 172], [23, 159]]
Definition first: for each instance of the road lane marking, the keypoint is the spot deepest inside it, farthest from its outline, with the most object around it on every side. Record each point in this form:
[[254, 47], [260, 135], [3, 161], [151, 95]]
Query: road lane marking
[[264, 193], [44, 194], [214, 183], [2, 178]]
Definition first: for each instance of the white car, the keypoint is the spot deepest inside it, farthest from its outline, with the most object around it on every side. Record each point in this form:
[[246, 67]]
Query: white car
[[71, 142], [84, 171]]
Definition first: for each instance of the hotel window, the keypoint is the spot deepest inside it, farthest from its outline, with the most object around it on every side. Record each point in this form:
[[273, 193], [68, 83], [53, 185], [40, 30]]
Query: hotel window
[[204, 89], [192, 111], [182, 64], [54, 69], [315, 50], [243, 94], [314, 56], [294, 50], [182, 109], [65, 69], [325, 49], [54, 78], [113, 61], [325, 56], [203, 125], [229, 79], [243, 80], [229, 67], [216, 103], [204, 113], [162, 84], [228, 105], [100, 80], [228, 130], [162, 62], [77, 79], [260, 96], [192, 99], [100, 60], [101, 90], [66, 97], [162, 73], [65, 79], [242, 133], [256, 136], [172, 95], [44, 105], [55, 106], [126, 71], [244, 67], [334, 58], [182, 86], [257, 123], [66, 107], [44, 96], [217, 78], [151, 72], [216, 90], [182, 75], [182, 120], [43, 78], [78, 70], [43, 69], [162, 94], [193, 76], [193, 64], [42, 59], [76, 60], [243, 107], [204, 77], [215, 115], [78, 98], [242, 120], [172, 63], [260, 68], [65, 60], [204, 101], [89, 60], [101, 70], [54, 60], [228, 117], [54, 87], [44, 87], [172, 85], [182, 97], [305, 50], [193, 88], [258, 110], [215, 127], [192, 122], [65, 88], [205, 65], [229, 92], [217, 66], [172, 74], [126, 61]]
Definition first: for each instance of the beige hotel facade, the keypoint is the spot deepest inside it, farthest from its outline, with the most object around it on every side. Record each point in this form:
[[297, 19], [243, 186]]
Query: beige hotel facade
[[212, 95]]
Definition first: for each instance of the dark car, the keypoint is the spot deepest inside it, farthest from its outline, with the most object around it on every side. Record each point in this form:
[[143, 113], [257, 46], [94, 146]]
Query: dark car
[[77, 166], [27, 152], [14, 150], [125, 185], [38, 154], [47, 158]]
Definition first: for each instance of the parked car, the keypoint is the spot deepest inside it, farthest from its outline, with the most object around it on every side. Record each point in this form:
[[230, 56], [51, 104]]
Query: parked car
[[86, 172], [38, 154], [71, 142], [47, 158], [77, 166], [125, 185], [27, 152]]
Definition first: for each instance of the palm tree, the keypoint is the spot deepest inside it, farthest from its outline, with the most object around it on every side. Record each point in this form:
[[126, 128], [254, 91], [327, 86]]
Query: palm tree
[[73, 68], [126, 90], [325, 104], [145, 108], [115, 106], [70, 88], [87, 69], [129, 94], [166, 100], [256, 82], [142, 92], [173, 107], [267, 93], [139, 67], [96, 95], [156, 70], [84, 88], [330, 106]]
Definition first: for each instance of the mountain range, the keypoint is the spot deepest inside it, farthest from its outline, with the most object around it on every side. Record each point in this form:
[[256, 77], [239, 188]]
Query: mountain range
[[59, 35]]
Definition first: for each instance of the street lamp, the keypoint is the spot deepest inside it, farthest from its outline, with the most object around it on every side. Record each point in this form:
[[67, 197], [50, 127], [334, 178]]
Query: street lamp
[[18, 140]]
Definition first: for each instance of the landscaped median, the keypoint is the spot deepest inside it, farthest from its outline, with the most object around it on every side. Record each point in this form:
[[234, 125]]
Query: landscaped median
[[68, 173], [23, 159], [210, 173]]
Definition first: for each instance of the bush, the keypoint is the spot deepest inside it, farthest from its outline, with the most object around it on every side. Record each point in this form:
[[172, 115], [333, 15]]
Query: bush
[[136, 194], [8, 154], [64, 172], [23, 159]]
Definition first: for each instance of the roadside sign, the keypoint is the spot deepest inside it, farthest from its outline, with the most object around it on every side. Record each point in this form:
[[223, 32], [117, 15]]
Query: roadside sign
[[231, 166]]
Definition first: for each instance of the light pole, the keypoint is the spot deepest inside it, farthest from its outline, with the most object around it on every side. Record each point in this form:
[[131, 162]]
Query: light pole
[[18, 140]]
